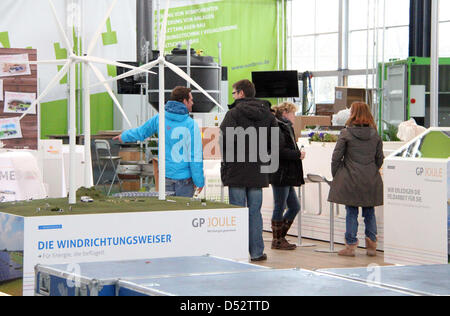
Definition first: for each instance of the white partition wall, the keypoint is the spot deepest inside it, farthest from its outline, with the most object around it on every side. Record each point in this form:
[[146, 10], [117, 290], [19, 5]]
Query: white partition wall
[[416, 195], [20, 177]]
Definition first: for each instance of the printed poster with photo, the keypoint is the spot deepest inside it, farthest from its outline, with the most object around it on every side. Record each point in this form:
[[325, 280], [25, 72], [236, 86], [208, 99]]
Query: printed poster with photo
[[10, 128], [14, 65], [19, 102]]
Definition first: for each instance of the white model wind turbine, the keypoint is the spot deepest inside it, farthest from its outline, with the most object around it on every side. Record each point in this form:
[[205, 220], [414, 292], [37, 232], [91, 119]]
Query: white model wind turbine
[[69, 65], [161, 61]]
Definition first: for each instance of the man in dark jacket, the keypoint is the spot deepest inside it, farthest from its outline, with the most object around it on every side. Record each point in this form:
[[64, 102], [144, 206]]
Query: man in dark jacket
[[246, 164]]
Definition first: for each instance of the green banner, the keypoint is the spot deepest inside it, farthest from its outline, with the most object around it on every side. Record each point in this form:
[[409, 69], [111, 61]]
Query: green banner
[[246, 30]]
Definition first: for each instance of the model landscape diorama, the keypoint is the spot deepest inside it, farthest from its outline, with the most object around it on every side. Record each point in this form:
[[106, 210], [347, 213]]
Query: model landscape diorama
[[93, 201]]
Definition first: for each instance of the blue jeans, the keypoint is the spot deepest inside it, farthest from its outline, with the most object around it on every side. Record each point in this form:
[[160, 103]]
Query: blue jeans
[[251, 198], [352, 224], [184, 188], [284, 197]]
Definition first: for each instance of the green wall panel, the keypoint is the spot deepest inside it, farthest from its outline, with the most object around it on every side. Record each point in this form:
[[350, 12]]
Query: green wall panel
[[247, 32], [53, 118], [102, 113], [54, 115]]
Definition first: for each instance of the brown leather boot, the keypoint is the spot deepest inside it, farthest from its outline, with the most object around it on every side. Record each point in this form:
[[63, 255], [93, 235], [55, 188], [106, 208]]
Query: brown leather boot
[[284, 230], [348, 251], [276, 232], [371, 247]]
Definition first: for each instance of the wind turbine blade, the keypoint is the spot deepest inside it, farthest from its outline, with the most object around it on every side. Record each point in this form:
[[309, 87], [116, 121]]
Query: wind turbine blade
[[98, 60], [162, 35], [183, 75], [129, 73], [99, 30], [50, 86], [61, 29], [100, 77]]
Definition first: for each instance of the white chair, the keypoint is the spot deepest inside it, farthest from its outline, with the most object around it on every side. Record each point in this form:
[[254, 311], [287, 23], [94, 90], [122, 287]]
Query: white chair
[[104, 157]]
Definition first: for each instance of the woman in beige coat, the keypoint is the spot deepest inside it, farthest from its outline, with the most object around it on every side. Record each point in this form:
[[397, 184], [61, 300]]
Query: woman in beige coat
[[357, 182]]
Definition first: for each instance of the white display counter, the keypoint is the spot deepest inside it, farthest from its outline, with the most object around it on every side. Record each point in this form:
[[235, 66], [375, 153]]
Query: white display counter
[[416, 195], [52, 162], [20, 177]]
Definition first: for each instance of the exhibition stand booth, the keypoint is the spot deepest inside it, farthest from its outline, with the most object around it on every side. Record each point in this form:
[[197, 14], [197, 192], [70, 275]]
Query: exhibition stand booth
[[49, 231], [416, 197]]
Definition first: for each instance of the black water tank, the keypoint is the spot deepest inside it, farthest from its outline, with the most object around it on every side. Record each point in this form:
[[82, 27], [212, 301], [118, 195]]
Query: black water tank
[[204, 71]]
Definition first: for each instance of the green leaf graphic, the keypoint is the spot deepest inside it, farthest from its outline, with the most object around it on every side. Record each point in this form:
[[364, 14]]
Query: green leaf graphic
[[110, 37]]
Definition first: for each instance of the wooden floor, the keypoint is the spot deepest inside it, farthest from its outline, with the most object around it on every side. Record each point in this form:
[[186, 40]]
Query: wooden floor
[[307, 258]]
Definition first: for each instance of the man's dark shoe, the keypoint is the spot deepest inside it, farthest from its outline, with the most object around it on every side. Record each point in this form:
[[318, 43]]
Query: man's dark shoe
[[262, 258]]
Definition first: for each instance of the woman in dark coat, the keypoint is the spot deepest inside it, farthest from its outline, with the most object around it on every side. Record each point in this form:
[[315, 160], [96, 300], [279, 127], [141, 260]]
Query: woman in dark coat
[[357, 182], [288, 176]]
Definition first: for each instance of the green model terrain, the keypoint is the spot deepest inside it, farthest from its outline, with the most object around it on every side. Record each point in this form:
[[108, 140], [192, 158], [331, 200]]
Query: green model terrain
[[61, 207]]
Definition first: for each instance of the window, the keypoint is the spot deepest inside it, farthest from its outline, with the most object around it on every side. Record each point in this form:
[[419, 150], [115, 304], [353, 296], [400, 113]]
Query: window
[[327, 16], [303, 57], [360, 81], [315, 28], [326, 48], [444, 43], [444, 10], [303, 17], [397, 43], [324, 89], [315, 41], [444, 28]]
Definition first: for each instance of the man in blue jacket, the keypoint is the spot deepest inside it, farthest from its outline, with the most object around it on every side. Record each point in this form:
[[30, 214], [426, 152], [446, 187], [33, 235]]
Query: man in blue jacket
[[184, 150]]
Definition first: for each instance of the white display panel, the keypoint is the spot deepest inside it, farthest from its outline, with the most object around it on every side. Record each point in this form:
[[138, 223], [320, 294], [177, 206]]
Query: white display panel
[[416, 195], [416, 228], [129, 236]]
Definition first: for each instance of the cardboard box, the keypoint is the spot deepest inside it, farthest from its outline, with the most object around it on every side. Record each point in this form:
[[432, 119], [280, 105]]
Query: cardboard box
[[325, 109], [345, 96], [302, 121]]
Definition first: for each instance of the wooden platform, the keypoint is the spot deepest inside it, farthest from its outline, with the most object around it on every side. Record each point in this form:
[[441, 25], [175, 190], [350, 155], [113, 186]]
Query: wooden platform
[[307, 258]]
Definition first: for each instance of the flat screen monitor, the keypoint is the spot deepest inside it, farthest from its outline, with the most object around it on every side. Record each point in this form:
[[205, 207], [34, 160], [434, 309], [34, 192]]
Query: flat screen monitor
[[276, 84], [127, 85]]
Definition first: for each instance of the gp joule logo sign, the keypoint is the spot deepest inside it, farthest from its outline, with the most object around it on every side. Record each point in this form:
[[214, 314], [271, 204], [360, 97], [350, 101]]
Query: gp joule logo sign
[[216, 223], [434, 173], [419, 171]]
